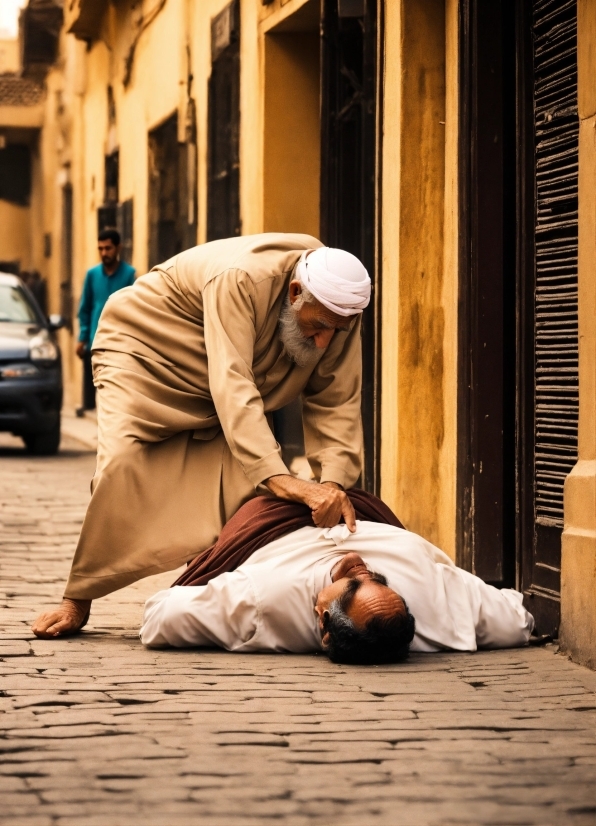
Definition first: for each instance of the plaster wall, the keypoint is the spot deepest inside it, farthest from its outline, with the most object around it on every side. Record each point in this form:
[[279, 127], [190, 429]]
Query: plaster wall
[[61, 152], [174, 46], [420, 268], [292, 158], [22, 117], [578, 571], [390, 218], [77, 135], [15, 234], [9, 55], [251, 119], [273, 177]]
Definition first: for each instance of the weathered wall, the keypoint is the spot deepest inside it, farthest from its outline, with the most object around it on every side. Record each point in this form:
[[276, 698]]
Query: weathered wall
[[251, 118], [77, 134], [9, 55], [15, 234], [450, 289], [578, 572], [262, 153], [391, 195], [292, 155], [419, 295]]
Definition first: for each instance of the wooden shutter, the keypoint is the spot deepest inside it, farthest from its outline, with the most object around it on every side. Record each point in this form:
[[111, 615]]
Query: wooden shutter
[[556, 127], [550, 324]]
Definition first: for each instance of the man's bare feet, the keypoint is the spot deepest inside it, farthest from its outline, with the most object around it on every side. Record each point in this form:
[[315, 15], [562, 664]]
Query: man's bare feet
[[69, 618]]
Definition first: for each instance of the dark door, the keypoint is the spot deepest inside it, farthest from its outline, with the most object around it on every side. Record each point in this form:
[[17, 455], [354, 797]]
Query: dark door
[[349, 207], [107, 213], [223, 186], [518, 292], [548, 396], [125, 225], [487, 292], [167, 203], [66, 308]]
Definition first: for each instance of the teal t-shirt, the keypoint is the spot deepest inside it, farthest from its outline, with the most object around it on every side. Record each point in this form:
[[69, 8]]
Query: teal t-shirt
[[98, 287]]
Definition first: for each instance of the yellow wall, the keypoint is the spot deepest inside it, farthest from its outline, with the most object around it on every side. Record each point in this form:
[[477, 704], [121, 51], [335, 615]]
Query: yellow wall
[[251, 120], [177, 42], [292, 154], [419, 292], [15, 234], [9, 55], [578, 568], [391, 194], [447, 536]]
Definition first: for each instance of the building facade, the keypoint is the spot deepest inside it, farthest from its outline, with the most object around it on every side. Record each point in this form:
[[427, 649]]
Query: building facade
[[450, 144]]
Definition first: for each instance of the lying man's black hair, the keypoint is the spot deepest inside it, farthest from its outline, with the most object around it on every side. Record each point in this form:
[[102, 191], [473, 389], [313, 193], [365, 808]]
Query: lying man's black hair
[[382, 640]]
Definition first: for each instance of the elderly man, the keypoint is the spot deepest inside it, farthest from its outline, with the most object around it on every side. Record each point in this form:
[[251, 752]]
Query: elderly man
[[314, 590], [188, 363]]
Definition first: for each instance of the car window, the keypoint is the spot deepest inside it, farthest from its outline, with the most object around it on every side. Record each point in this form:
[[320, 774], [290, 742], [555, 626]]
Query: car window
[[14, 305]]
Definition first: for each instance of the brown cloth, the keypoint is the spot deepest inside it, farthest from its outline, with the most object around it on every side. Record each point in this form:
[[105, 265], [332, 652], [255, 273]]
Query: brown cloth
[[264, 519]]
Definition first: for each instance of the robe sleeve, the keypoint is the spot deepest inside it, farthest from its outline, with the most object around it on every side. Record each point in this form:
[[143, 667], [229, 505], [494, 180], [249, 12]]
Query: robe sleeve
[[221, 614], [230, 332], [331, 411]]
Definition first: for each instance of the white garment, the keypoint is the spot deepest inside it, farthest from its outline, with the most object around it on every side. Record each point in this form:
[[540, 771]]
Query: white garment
[[337, 279], [267, 604]]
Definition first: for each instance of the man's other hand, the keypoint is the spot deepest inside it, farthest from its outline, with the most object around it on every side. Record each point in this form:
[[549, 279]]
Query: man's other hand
[[327, 501], [67, 619], [81, 349]]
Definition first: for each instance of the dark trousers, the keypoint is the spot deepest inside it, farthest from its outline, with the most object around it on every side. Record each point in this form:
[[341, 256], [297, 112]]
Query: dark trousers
[[88, 386]]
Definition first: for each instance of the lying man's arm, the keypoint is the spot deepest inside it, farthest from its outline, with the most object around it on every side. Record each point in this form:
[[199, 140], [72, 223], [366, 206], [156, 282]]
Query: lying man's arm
[[221, 614]]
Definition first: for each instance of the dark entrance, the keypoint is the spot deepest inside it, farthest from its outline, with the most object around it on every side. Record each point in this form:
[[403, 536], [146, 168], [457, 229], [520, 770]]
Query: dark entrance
[[223, 186], [349, 171], [518, 289], [66, 256], [167, 193]]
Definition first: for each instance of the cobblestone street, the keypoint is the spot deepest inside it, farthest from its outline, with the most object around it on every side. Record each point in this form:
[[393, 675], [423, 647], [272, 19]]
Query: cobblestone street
[[98, 730]]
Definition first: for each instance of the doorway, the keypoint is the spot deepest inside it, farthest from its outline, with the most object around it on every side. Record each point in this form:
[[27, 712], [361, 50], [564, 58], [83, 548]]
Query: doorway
[[292, 163], [321, 142], [518, 402], [223, 185], [350, 60], [66, 256], [167, 206]]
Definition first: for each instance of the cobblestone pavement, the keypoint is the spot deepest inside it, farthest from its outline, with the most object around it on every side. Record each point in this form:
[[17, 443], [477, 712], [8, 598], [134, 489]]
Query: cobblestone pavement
[[98, 730]]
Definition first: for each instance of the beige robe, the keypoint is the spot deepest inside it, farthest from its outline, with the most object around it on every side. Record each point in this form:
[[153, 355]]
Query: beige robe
[[187, 365]]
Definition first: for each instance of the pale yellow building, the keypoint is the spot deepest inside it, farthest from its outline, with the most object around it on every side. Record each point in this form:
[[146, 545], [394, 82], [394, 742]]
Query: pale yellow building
[[438, 140]]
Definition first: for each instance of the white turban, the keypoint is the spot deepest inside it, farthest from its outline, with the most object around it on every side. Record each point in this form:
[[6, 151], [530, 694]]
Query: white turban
[[337, 279]]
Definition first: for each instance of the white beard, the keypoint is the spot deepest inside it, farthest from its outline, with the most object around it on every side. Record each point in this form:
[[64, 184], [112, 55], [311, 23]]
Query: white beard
[[303, 351]]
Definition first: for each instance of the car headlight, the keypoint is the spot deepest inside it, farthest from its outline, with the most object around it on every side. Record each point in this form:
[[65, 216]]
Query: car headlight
[[19, 371], [42, 348]]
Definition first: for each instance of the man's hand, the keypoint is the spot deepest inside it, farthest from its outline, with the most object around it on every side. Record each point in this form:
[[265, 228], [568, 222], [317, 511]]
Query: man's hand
[[327, 501], [81, 349], [67, 619]]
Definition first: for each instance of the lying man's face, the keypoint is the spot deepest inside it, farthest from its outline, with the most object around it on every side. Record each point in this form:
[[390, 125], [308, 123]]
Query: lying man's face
[[372, 597]]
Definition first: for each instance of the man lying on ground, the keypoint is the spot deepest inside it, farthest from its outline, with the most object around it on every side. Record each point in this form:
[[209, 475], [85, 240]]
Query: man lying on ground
[[353, 596]]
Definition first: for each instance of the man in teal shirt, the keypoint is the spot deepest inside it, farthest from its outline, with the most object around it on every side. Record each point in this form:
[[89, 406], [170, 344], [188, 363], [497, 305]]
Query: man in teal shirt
[[100, 282]]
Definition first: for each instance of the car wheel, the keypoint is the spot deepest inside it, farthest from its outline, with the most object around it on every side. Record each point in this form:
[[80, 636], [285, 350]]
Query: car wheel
[[43, 444]]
